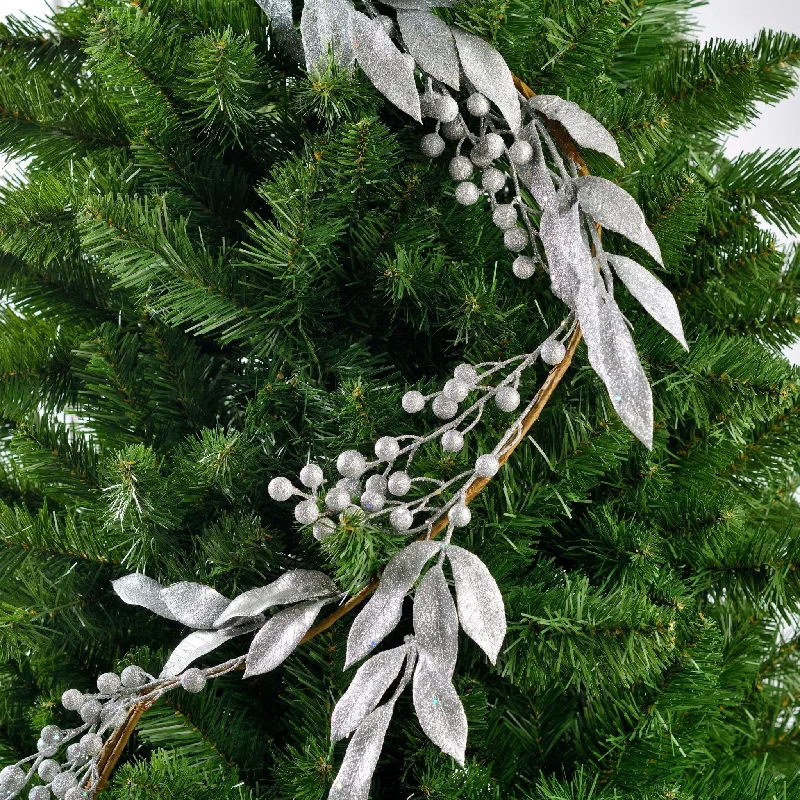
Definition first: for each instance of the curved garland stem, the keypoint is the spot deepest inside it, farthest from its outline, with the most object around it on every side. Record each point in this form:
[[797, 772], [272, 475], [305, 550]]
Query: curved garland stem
[[115, 745]]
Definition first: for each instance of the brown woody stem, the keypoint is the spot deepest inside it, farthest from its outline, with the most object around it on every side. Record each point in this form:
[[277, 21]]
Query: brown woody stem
[[116, 743]]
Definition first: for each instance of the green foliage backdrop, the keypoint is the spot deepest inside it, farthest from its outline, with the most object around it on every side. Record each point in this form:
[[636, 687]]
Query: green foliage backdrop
[[215, 266]]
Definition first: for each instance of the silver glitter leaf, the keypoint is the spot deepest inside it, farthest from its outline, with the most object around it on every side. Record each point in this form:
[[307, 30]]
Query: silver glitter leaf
[[436, 621], [655, 298], [582, 127], [428, 39], [613, 357], [567, 255], [488, 72], [292, 587], [193, 604], [324, 26], [439, 709], [273, 644], [198, 644], [405, 4], [368, 686], [390, 71], [480, 603], [280, 17], [355, 775], [380, 615], [534, 175], [612, 207], [139, 590]]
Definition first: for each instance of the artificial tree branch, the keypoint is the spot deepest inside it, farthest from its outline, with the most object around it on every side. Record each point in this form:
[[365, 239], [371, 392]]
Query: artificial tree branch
[[116, 743]]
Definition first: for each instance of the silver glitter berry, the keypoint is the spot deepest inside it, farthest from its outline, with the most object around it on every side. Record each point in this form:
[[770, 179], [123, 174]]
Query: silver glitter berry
[[515, 239], [312, 476], [455, 130], [62, 783], [445, 109], [76, 793], [323, 528], [377, 483], [39, 793], [401, 519], [523, 267], [399, 483], [432, 145], [133, 677], [456, 390], [553, 352], [280, 489], [505, 215], [459, 515], [91, 744], [478, 105], [337, 499], [351, 464], [520, 152], [466, 373], [75, 754], [72, 699], [387, 448], [12, 779], [193, 680], [487, 465], [444, 408], [51, 734], [493, 180], [413, 401], [467, 193], [46, 750], [306, 512], [372, 501], [90, 711], [460, 168], [507, 398], [452, 441], [108, 683], [48, 769], [494, 144]]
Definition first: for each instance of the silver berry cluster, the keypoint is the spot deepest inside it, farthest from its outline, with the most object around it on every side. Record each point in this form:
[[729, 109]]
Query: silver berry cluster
[[74, 775], [386, 487]]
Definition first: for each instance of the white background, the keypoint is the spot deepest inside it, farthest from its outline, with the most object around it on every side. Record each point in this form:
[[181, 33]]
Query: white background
[[778, 126]]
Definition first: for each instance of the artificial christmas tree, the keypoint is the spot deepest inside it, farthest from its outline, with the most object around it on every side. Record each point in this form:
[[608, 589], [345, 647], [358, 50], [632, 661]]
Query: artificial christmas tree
[[219, 268]]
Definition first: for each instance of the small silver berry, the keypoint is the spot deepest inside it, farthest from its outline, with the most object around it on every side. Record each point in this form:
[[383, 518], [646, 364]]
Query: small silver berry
[[90, 711], [76, 793], [445, 108], [459, 515], [444, 408], [108, 683], [306, 512], [523, 267], [399, 483], [455, 130], [493, 180], [460, 168], [466, 373], [51, 734], [401, 519], [62, 783], [280, 489], [478, 105], [91, 744], [507, 398], [520, 152], [377, 483], [312, 476], [372, 502], [72, 699], [455, 390], [48, 769], [39, 793], [432, 145], [452, 441], [515, 239], [387, 448], [505, 215], [413, 401], [193, 680], [467, 193], [553, 352], [351, 464], [133, 677], [12, 779], [487, 465], [323, 528], [337, 499]]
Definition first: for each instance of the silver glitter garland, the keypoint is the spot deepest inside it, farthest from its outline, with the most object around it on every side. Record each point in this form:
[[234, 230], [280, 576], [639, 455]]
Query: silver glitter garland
[[502, 149]]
